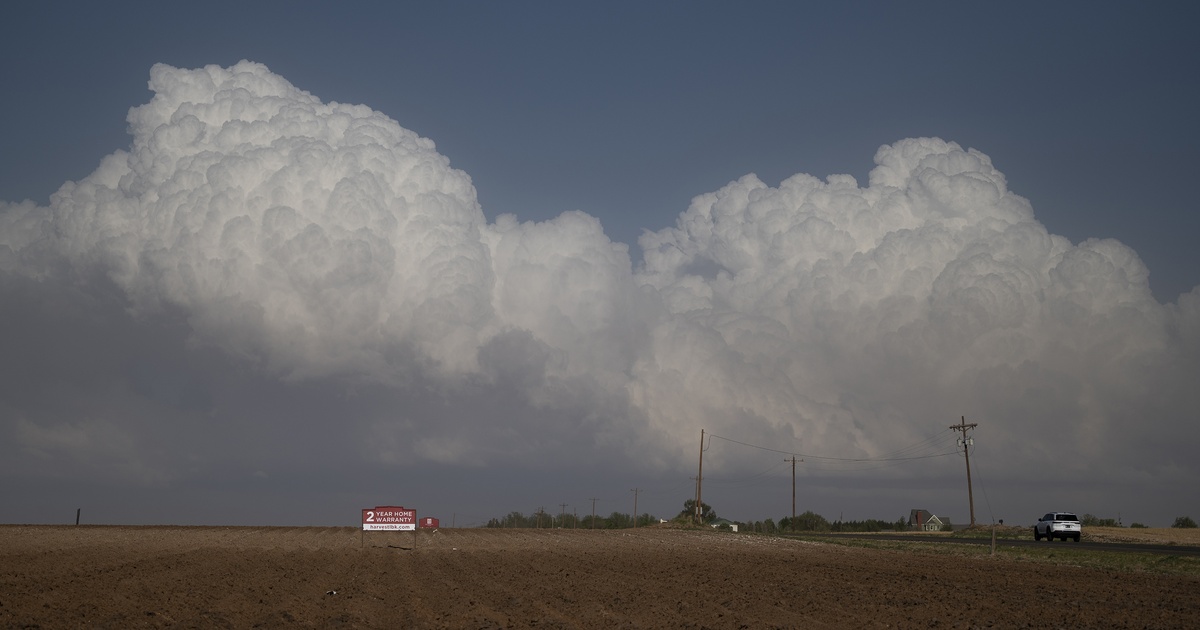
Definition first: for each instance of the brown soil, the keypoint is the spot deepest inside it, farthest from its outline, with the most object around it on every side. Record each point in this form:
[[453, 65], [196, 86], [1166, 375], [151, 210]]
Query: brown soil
[[242, 577]]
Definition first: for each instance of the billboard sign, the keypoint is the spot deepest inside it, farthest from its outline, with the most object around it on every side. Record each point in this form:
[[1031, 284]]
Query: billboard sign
[[389, 518]]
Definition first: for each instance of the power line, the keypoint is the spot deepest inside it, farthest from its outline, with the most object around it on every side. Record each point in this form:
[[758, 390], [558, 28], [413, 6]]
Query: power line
[[894, 456], [744, 480], [929, 442]]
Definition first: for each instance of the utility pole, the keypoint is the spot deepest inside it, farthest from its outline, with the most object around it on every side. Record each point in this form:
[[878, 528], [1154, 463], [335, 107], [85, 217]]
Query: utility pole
[[699, 479], [593, 513], [966, 443], [562, 515], [793, 521], [635, 492]]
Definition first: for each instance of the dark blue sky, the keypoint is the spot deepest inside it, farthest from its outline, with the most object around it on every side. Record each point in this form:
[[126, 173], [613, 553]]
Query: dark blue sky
[[627, 110]]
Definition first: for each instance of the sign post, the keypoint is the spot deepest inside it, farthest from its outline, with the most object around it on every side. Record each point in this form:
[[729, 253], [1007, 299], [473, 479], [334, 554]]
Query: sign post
[[390, 518]]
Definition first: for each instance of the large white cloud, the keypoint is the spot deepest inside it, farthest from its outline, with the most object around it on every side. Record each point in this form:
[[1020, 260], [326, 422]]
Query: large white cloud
[[304, 234], [321, 247], [316, 241], [854, 317]]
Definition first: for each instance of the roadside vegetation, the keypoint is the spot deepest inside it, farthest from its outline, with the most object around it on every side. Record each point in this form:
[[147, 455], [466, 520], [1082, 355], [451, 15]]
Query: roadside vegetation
[[1096, 529], [1058, 554], [546, 520], [812, 526]]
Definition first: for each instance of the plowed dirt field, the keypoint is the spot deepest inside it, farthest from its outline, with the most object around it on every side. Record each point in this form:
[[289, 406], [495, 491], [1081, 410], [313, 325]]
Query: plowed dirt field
[[262, 577]]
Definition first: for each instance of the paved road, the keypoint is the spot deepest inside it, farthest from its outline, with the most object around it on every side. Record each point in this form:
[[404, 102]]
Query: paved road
[[1171, 550]]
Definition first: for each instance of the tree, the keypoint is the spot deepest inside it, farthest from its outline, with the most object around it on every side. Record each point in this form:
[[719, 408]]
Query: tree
[[1090, 520], [617, 520], [1184, 522], [809, 522], [590, 522], [514, 519], [707, 514]]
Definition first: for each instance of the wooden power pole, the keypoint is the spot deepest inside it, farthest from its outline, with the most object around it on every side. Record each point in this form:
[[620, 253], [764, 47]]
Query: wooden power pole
[[793, 521], [699, 478], [966, 443]]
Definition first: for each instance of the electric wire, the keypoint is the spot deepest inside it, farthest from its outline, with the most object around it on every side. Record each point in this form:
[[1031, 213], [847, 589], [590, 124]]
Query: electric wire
[[927, 448], [744, 480]]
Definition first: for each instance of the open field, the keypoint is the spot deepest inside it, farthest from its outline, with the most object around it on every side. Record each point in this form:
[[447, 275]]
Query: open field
[[241, 577], [1149, 535]]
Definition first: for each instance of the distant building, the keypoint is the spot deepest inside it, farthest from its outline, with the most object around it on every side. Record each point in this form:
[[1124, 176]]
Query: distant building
[[924, 520], [721, 521]]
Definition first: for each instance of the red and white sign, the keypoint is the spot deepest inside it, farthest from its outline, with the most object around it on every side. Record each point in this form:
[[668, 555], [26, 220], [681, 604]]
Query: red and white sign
[[389, 518]]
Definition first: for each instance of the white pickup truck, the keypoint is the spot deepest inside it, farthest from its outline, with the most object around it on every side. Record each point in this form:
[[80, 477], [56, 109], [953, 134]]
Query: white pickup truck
[[1062, 525]]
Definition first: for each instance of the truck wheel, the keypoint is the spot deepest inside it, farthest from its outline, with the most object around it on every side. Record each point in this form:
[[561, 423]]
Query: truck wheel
[[1036, 535], [1076, 537]]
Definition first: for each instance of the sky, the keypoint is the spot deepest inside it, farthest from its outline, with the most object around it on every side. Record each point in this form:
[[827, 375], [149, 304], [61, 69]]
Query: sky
[[270, 264]]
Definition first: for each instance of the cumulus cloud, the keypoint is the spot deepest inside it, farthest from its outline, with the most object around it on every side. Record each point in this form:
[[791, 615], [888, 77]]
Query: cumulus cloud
[[850, 316], [260, 265]]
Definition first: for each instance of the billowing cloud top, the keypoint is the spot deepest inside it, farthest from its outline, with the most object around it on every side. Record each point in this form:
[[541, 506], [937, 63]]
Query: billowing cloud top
[[322, 246], [305, 235]]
